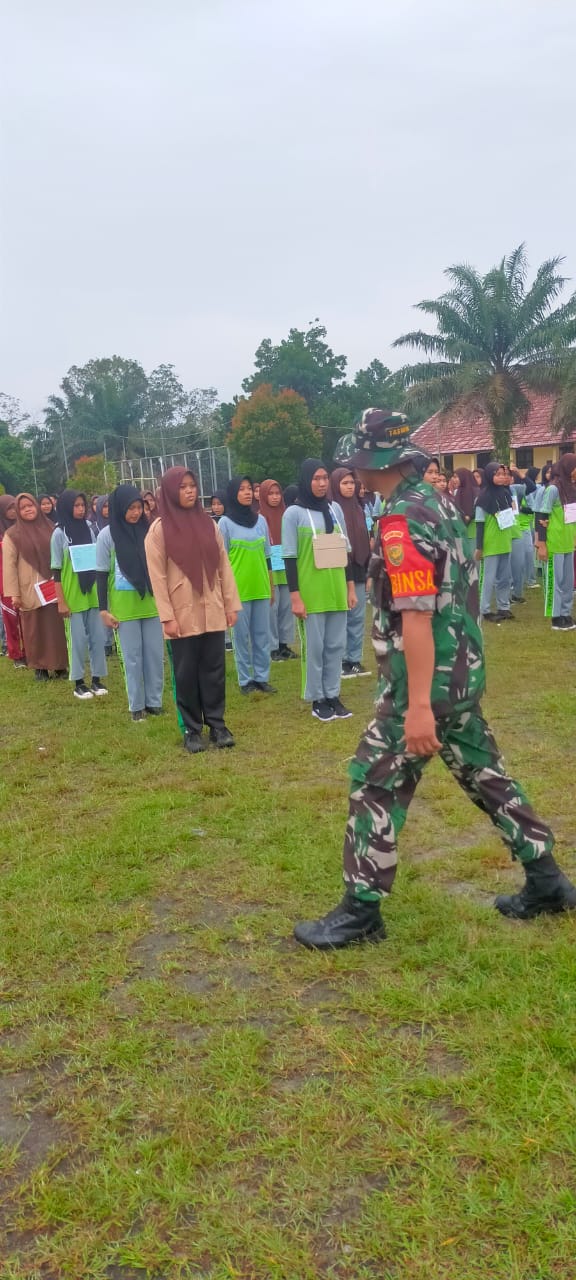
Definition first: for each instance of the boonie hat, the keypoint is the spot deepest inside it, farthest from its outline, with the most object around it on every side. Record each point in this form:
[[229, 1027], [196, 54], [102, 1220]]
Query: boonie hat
[[381, 440]]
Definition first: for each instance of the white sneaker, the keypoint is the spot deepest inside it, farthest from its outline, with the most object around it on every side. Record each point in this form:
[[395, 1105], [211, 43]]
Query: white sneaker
[[82, 691]]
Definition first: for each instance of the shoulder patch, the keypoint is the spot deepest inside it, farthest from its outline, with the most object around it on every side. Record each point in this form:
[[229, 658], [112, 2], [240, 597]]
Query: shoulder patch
[[410, 572]]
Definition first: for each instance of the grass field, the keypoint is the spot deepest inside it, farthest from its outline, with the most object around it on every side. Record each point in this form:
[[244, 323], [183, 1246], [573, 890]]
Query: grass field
[[186, 1093]]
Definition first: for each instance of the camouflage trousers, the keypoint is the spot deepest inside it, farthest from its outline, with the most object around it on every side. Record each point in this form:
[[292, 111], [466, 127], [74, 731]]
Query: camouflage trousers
[[383, 781]]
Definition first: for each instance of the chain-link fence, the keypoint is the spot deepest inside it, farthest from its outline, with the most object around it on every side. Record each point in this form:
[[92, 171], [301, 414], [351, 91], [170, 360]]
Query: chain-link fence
[[212, 468]]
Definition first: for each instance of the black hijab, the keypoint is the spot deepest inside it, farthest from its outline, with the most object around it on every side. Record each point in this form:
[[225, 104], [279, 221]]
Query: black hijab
[[78, 532], [290, 494], [493, 497], [234, 509], [305, 496], [220, 494], [128, 539]]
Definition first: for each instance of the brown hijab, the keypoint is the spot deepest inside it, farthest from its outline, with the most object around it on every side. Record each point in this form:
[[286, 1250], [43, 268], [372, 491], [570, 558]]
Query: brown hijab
[[561, 477], [32, 537], [189, 534], [354, 517], [272, 515], [465, 497], [6, 501]]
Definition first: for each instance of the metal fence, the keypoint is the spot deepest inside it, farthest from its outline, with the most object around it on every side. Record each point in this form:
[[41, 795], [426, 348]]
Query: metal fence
[[212, 468]]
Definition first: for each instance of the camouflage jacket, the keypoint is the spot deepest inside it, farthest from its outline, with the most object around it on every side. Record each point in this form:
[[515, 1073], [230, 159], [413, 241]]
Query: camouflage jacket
[[420, 563]]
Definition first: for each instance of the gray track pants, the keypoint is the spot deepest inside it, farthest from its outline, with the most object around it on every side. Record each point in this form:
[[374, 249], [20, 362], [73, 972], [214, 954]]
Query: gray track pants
[[281, 618], [142, 645], [86, 639], [323, 653]]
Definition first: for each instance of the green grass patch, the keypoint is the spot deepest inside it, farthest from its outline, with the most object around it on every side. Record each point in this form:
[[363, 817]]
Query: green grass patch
[[184, 1093]]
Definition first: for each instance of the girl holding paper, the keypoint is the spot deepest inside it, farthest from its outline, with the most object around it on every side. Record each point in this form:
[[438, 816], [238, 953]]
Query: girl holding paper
[[73, 561], [126, 601], [26, 554], [245, 535], [556, 539], [272, 507], [495, 520], [321, 594], [344, 488]]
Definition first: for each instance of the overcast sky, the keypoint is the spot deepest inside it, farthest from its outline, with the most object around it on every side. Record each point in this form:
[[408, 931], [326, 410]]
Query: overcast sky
[[181, 178]]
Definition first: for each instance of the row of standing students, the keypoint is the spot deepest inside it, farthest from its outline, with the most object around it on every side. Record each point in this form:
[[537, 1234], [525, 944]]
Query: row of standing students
[[185, 580]]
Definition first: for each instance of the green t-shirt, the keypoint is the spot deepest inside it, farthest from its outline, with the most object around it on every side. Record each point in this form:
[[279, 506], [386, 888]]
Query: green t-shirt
[[322, 590], [497, 541], [75, 598], [560, 537], [248, 551], [124, 601]]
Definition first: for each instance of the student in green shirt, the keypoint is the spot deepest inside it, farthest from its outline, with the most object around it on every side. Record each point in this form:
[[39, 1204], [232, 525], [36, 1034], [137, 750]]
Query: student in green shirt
[[76, 593], [126, 601], [246, 539], [321, 597], [494, 530], [556, 532]]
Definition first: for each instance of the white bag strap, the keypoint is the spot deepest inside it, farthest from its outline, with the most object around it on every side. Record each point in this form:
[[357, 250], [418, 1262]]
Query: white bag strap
[[334, 517]]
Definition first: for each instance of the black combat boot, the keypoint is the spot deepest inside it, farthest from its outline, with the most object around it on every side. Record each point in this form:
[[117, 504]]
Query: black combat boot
[[351, 921], [547, 892]]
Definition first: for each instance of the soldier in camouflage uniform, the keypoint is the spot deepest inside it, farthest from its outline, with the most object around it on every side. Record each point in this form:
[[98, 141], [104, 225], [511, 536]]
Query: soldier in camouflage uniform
[[429, 649]]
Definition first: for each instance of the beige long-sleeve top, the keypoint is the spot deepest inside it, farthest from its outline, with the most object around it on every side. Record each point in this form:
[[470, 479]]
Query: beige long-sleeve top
[[175, 595], [19, 576]]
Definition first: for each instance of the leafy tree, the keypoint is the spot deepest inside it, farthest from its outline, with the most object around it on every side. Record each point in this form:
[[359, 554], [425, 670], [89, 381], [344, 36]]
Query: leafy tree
[[167, 408], [102, 401], [302, 362], [272, 433], [15, 462], [497, 339], [90, 475]]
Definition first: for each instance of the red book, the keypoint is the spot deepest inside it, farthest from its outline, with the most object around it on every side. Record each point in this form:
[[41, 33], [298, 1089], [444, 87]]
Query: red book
[[46, 591]]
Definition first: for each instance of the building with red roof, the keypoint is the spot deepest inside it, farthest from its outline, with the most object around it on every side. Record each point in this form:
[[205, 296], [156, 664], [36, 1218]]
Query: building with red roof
[[464, 439]]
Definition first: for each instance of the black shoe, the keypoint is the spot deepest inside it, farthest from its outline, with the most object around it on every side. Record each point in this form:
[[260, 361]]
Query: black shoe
[[193, 742], [98, 689], [248, 688], [41, 674], [351, 921], [547, 892], [340, 711], [82, 691], [20, 662], [60, 675], [519, 599], [137, 716], [568, 624], [222, 737], [262, 686], [286, 652], [154, 711], [558, 624], [323, 711], [488, 617], [346, 669], [351, 669], [109, 650], [504, 615], [276, 656]]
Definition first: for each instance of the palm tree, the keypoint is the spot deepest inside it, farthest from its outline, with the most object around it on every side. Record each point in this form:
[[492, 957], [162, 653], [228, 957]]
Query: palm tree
[[497, 339]]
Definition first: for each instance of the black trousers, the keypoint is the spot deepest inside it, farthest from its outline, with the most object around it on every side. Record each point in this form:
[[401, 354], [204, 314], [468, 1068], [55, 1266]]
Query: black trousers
[[199, 664]]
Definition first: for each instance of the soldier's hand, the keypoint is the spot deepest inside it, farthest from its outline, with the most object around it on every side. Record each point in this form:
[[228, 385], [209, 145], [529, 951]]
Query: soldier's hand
[[420, 732]]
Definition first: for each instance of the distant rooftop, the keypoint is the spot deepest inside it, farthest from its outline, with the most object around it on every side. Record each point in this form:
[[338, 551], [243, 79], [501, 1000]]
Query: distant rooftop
[[459, 432]]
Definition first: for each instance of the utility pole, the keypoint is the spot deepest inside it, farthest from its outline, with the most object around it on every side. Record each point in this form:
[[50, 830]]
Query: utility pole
[[34, 470], [64, 449]]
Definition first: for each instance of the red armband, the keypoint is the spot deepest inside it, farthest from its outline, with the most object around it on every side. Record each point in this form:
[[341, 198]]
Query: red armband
[[410, 573]]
